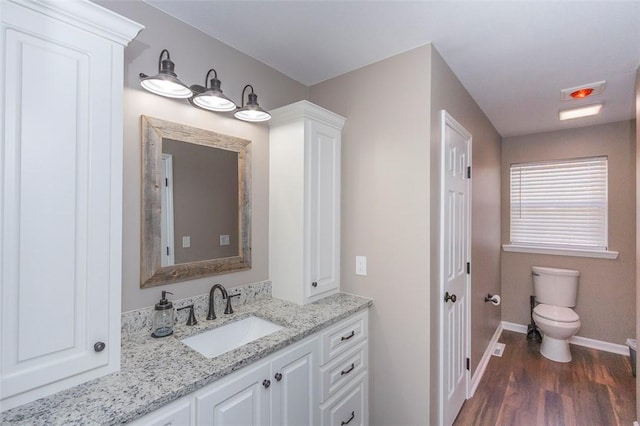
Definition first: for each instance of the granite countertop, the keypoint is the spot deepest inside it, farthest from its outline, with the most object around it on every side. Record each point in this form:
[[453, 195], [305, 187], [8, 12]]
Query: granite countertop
[[155, 372]]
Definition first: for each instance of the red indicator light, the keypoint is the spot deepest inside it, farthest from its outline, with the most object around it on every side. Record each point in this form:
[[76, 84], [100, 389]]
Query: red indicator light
[[581, 93]]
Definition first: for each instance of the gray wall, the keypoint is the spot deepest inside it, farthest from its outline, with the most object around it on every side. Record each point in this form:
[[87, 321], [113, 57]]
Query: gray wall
[[194, 53], [390, 200], [448, 93], [385, 217], [606, 295]]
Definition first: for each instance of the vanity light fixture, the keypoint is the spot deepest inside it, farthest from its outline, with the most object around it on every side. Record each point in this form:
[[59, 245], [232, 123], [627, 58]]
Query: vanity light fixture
[[584, 111], [212, 97], [166, 83], [251, 111]]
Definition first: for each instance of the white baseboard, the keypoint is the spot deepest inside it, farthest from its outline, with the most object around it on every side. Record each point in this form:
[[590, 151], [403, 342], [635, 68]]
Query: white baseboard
[[512, 326], [576, 340], [482, 366]]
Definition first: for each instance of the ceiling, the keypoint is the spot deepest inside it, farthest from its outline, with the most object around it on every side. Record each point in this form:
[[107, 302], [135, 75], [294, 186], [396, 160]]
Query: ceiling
[[513, 57]]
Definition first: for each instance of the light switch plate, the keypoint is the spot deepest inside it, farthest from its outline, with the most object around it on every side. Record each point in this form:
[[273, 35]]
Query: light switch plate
[[361, 265], [224, 240], [186, 242]]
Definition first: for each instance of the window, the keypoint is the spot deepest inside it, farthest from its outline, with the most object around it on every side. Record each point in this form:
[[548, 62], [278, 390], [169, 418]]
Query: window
[[559, 207]]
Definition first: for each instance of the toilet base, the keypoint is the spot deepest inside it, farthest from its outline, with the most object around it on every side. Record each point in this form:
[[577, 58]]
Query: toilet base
[[555, 349]]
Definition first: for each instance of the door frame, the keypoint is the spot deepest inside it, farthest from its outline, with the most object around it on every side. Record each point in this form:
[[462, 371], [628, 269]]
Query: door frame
[[447, 119], [167, 220]]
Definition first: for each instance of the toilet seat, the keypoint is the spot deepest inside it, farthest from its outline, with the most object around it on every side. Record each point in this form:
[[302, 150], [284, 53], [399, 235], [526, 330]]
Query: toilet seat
[[556, 313]]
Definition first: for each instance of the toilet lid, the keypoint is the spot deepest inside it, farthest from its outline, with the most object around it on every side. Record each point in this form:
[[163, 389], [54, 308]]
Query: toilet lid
[[556, 313]]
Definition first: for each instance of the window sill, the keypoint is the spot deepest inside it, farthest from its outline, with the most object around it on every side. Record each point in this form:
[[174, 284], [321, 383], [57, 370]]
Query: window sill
[[560, 252]]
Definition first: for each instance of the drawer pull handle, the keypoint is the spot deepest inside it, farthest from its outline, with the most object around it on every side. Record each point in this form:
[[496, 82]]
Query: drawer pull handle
[[99, 346], [314, 284], [343, 372], [353, 333], [353, 415], [278, 376], [266, 383]]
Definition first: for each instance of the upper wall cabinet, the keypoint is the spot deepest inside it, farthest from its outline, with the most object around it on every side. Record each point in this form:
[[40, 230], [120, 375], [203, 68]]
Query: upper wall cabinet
[[61, 208], [304, 202]]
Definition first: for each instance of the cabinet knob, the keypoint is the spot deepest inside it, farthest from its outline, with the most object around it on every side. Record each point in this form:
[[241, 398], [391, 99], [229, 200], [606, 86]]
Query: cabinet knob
[[278, 376], [314, 284], [266, 383], [99, 346]]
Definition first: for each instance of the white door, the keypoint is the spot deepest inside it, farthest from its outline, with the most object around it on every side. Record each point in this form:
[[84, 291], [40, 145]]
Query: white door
[[166, 218], [242, 400], [454, 269], [60, 186], [323, 158], [294, 398]]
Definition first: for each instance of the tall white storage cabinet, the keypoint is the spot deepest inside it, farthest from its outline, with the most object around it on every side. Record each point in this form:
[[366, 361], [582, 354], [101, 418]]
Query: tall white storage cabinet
[[304, 202], [61, 208]]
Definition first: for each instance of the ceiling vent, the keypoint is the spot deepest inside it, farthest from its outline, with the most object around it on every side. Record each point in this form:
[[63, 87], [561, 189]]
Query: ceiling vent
[[581, 92]]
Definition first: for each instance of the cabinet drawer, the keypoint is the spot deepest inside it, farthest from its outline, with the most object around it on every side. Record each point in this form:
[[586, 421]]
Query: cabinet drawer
[[341, 371], [349, 408], [344, 336], [178, 413]]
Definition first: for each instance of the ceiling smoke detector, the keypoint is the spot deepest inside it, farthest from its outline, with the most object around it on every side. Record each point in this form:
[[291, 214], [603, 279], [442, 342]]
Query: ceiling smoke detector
[[581, 92]]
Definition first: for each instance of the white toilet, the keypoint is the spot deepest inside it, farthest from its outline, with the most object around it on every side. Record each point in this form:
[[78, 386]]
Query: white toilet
[[556, 291]]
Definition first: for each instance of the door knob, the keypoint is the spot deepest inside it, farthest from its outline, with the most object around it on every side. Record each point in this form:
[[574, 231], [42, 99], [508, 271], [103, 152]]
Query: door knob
[[451, 297], [266, 383], [278, 376], [99, 346]]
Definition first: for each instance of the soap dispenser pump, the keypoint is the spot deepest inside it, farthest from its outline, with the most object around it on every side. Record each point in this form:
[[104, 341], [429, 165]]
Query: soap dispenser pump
[[163, 317]]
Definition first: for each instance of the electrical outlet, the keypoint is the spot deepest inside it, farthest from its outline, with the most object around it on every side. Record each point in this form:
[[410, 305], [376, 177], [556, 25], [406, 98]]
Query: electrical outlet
[[224, 240], [186, 242]]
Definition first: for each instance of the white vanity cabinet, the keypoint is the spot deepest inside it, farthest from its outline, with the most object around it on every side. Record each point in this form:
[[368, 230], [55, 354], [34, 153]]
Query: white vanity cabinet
[[282, 389], [321, 380], [344, 378], [304, 202], [61, 81]]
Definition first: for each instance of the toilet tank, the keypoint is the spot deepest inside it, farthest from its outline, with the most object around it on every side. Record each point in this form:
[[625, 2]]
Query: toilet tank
[[555, 286]]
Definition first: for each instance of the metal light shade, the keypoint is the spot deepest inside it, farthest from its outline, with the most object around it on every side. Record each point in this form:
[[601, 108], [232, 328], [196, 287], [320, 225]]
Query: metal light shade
[[212, 98], [166, 83], [251, 111]]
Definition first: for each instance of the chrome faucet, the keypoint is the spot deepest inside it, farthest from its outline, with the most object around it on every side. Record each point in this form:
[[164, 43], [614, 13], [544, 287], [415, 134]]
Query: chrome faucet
[[212, 314]]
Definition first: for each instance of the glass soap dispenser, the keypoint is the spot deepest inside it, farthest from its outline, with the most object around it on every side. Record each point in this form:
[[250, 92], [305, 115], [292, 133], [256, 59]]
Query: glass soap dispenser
[[163, 317]]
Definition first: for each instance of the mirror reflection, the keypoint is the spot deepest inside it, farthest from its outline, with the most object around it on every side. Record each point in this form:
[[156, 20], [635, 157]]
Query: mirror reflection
[[199, 202], [196, 203]]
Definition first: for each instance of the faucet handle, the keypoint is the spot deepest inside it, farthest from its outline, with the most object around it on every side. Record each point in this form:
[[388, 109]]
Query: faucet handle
[[192, 316], [228, 309]]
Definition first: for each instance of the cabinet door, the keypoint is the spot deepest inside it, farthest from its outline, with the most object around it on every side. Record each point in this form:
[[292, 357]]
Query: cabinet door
[[295, 396], [239, 400], [323, 156], [61, 209]]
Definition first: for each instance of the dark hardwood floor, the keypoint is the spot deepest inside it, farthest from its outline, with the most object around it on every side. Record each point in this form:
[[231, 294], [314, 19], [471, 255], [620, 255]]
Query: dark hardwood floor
[[524, 388]]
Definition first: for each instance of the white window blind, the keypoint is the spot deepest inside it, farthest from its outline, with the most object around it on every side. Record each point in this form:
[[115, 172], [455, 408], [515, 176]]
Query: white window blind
[[560, 204]]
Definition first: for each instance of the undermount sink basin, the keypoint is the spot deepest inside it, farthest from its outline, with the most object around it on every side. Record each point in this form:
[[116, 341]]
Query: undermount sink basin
[[230, 336]]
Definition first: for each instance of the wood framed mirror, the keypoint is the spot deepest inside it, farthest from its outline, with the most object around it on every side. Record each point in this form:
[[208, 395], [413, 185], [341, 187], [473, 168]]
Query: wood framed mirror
[[196, 203]]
